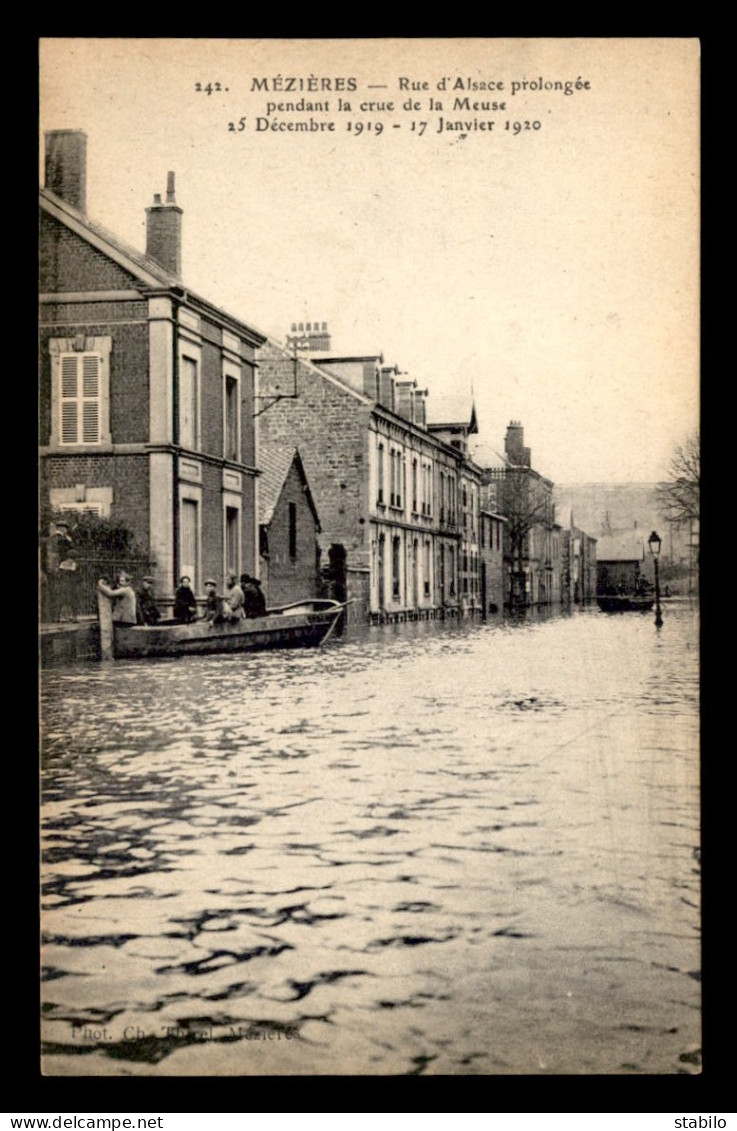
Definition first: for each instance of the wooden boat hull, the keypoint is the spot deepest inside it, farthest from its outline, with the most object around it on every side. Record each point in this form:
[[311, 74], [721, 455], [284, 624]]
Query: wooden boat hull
[[305, 624], [623, 603]]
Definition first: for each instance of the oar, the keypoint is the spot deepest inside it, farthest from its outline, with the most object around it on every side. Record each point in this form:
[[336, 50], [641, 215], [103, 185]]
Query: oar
[[336, 618]]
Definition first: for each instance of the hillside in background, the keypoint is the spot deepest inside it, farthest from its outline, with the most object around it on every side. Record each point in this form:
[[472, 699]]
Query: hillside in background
[[602, 509]]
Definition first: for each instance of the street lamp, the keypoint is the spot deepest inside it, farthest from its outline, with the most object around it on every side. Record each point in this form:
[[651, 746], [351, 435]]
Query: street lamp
[[654, 542]]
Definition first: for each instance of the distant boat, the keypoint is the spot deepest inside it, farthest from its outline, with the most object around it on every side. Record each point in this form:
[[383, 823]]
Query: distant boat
[[625, 603], [303, 624]]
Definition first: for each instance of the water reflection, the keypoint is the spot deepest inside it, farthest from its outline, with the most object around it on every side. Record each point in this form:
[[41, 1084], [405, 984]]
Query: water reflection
[[428, 848]]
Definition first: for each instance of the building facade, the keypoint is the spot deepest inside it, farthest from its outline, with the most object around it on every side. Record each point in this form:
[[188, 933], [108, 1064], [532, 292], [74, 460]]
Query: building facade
[[491, 554], [398, 501], [620, 563], [578, 554], [147, 390], [532, 551]]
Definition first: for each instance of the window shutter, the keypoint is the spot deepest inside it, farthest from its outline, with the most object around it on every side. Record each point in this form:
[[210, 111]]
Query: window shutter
[[69, 413], [90, 399], [80, 398]]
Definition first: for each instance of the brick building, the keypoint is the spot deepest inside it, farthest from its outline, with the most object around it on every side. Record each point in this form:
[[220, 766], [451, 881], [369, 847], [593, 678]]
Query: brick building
[[146, 389], [388, 485], [288, 528]]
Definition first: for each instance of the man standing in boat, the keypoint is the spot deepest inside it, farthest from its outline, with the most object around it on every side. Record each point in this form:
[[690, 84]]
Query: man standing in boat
[[123, 598]]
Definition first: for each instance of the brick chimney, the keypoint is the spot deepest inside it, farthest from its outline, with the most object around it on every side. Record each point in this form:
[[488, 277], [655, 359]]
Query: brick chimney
[[65, 172], [310, 337], [514, 449], [386, 386], [420, 416], [404, 399], [164, 231]]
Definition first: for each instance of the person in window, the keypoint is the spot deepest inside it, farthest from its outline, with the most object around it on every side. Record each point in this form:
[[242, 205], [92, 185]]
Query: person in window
[[123, 597], [185, 602], [147, 610]]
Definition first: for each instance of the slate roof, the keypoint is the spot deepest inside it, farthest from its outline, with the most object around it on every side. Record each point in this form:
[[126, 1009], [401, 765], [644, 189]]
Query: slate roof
[[275, 462]]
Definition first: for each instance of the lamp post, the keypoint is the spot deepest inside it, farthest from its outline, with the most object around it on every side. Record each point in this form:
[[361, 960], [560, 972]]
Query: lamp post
[[654, 542]]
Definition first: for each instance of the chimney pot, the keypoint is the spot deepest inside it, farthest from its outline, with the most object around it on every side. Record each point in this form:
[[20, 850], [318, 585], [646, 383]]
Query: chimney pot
[[164, 231]]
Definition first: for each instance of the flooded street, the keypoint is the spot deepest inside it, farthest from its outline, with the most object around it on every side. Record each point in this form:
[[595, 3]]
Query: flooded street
[[438, 848]]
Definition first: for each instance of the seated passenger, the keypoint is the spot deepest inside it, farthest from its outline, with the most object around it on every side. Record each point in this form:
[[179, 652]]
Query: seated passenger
[[147, 613], [213, 602], [185, 602], [253, 602]]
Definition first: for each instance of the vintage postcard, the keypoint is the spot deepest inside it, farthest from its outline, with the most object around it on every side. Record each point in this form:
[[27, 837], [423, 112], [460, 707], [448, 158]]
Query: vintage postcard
[[369, 530]]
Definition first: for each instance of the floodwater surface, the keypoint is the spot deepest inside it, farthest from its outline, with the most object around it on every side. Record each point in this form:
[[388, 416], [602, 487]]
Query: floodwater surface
[[457, 849]]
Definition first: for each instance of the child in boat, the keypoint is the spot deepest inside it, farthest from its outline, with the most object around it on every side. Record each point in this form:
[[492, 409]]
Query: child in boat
[[185, 602]]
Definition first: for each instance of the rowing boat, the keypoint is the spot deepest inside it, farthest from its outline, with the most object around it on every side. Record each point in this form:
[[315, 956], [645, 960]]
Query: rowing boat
[[624, 603], [303, 624]]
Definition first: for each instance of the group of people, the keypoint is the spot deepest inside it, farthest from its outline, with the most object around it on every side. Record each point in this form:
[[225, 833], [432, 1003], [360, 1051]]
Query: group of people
[[242, 599], [130, 606]]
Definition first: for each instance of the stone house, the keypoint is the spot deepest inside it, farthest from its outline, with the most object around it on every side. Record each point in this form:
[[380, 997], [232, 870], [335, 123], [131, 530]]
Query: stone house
[[388, 485]]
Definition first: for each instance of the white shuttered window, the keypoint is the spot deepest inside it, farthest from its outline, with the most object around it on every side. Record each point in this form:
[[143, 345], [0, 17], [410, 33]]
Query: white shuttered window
[[80, 399]]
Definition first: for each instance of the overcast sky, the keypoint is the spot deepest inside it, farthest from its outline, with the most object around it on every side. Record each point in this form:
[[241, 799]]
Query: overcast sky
[[552, 272]]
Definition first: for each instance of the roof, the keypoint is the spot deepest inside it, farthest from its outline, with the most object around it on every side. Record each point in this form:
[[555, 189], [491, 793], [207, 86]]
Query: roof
[[275, 462], [148, 271], [620, 548], [318, 357], [564, 516], [454, 409], [485, 455]]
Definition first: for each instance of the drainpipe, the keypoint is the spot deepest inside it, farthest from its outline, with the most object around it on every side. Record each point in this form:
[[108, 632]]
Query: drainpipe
[[175, 457]]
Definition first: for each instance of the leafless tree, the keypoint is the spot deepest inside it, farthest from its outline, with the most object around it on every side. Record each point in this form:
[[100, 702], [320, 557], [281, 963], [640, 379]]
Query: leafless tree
[[679, 495], [526, 501]]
